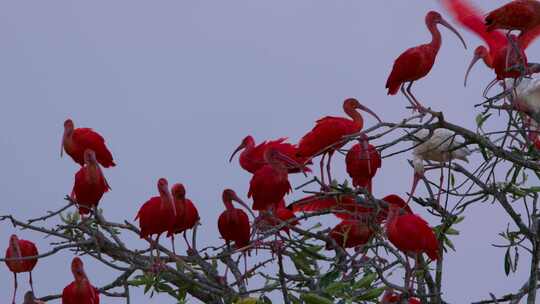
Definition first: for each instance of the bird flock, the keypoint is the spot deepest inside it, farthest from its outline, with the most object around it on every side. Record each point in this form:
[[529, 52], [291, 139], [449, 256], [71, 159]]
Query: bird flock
[[271, 162]]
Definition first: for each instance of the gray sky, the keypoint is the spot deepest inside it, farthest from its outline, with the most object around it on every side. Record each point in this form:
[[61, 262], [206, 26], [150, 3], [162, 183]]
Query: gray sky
[[175, 85]]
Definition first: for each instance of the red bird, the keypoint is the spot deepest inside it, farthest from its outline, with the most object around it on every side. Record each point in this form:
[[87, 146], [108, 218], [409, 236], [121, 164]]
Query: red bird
[[346, 207], [350, 233], [270, 183], [409, 232], [76, 141], [90, 184], [158, 214], [276, 215], [522, 15], [496, 57], [391, 297], [233, 223], [80, 291], [252, 157], [327, 135], [363, 161], [187, 215], [415, 63], [20, 249]]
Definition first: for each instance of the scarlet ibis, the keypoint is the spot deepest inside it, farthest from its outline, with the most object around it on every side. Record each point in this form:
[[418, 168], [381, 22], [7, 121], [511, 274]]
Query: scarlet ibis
[[499, 57], [415, 63], [270, 183], [76, 141], [362, 162], [277, 214], [158, 214], [90, 184], [442, 146], [350, 233], [327, 135], [29, 298], [390, 297], [19, 248], [345, 206], [233, 223], [252, 156], [187, 215], [522, 15], [409, 232], [80, 291]]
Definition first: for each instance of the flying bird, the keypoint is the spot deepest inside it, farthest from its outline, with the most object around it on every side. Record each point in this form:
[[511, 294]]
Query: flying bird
[[521, 15], [76, 140], [90, 184], [80, 291], [157, 215], [327, 135], [415, 63], [252, 156], [499, 54], [17, 249], [187, 215]]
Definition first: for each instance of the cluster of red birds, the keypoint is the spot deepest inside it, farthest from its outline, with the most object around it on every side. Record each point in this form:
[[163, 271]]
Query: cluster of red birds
[[271, 162]]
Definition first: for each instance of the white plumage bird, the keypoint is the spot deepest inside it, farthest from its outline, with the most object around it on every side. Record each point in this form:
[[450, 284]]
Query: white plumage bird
[[527, 93], [441, 147]]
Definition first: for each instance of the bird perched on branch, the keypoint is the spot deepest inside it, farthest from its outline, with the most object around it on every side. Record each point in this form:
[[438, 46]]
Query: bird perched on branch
[[80, 291], [416, 62], [521, 15], [19, 248], [440, 146], [76, 140], [90, 184]]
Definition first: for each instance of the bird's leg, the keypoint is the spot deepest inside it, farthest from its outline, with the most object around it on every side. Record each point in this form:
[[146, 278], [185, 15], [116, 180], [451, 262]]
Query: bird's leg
[[441, 179], [172, 242], [321, 164], [407, 272], [329, 174], [419, 107], [31, 282], [411, 101], [185, 239], [15, 287], [515, 48], [245, 268]]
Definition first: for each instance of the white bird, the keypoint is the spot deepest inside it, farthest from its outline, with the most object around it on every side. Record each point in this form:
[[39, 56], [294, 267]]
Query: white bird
[[443, 146], [526, 98]]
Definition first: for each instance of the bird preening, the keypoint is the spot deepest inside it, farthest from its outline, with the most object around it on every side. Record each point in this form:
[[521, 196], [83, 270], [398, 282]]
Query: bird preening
[[270, 205]]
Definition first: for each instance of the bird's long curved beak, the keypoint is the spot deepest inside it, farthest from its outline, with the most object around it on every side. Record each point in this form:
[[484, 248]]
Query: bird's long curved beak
[[473, 62], [368, 110], [241, 202], [291, 162], [240, 147], [450, 27]]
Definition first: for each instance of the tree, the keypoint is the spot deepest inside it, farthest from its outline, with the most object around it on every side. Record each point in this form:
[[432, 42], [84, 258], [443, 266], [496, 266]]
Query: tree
[[304, 271]]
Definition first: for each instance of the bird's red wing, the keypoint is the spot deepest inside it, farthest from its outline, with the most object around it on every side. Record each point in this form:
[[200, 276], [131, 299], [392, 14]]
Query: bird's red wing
[[470, 17], [87, 137], [327, 131], [313, 203], [528, 37], [407, 67]]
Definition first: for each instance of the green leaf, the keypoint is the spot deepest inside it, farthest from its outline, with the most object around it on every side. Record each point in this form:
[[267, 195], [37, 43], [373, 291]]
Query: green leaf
[[329, 278], [312, 298], [452, 231], [336, 288], [365, 281], [449, 243], [481, 119]]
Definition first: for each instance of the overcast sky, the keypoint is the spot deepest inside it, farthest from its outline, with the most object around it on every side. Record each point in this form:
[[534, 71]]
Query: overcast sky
[[174, 86]]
